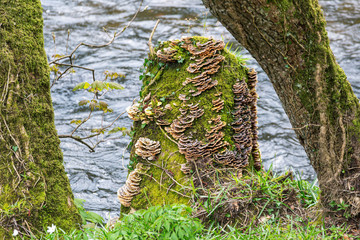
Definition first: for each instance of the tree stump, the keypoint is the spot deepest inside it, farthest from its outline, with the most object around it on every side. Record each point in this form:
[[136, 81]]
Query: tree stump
[[197, 115]]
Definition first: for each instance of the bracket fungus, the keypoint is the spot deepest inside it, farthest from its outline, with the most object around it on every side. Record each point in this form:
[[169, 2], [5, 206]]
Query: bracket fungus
[[133, 111], [132, 186], [147, 148], [167, 55]]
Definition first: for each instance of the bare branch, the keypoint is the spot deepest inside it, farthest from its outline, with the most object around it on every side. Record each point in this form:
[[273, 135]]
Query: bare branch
[[76, 66], [76, 138]]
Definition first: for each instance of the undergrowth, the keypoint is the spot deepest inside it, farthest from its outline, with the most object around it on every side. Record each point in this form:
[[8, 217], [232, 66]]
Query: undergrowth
[[275, 217]]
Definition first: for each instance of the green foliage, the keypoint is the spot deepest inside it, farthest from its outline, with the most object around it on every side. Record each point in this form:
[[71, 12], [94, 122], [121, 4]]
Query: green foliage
[[175, 222], [167, 222], [98, 86], [85, 215], [238, 53], [308, 192], [124, 130], [113, 75], [342, 206]]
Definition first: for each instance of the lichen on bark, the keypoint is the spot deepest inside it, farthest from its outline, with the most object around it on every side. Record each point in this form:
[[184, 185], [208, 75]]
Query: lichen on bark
[[34, 189]]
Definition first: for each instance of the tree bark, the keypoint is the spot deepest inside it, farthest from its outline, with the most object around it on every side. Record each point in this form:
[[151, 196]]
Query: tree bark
[[34, 189], [289, 41]]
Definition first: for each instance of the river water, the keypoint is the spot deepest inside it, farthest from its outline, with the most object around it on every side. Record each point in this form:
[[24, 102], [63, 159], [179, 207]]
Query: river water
[[95, 177]]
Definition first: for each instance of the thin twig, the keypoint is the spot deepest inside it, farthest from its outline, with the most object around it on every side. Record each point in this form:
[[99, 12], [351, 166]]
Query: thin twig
[[197, 171], [12, 137], [76, 66], [76, 138], [99, 46], [167, 173], [305, 126], [123, 155], [152, 177], [152, 52], [162, 130], [6, 88]]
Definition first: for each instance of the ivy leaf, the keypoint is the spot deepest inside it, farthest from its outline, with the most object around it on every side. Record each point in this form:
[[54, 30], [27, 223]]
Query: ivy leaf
[[83, 85], [14, 148]]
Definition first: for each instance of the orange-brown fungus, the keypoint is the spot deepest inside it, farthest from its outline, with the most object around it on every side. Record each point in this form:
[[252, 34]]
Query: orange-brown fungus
[[147, 148], [131, 188]]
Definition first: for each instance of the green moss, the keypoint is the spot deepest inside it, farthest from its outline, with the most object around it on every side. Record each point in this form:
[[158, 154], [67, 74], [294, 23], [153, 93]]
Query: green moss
[[29, 141], [166, 88]]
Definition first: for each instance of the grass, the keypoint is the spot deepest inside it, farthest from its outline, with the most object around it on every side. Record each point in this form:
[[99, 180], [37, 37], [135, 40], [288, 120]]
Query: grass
[[277, 207]]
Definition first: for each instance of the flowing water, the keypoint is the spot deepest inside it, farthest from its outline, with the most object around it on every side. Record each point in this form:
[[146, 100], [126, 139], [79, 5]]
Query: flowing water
[[96, 176]]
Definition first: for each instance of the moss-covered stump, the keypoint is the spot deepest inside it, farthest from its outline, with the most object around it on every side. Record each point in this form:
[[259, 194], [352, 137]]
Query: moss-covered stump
[[34, 189], [196, 116]]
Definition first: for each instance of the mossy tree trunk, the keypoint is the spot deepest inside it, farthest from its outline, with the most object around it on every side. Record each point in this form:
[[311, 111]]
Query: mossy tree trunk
[[34, 189], [196, 119], [289, 41]]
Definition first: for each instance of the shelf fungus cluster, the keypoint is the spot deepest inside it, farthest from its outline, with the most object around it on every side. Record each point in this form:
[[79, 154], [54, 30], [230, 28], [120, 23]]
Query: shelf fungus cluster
[[147, 148], [187, 115], [147, 110], [207, 61], [252, 80], [244, 124], [195, 149], [167, 55], [218, 104], [132, 186]]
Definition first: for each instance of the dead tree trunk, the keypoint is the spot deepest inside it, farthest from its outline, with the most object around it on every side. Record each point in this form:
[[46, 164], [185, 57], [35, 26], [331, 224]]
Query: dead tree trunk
[[196, 118], [289, 41], [34, 189]]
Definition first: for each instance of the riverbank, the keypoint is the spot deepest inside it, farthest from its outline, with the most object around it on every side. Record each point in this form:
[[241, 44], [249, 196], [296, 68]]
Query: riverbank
[[273, 207]]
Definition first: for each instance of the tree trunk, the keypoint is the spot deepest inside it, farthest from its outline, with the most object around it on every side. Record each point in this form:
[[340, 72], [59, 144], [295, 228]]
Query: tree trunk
[[188, 125], [289, 41], [34, 189]]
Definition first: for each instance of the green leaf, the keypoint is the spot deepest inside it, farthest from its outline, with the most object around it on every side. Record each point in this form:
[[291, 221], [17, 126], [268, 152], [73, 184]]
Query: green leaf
[[173, 236], [92, 105], [14, 148], [162, 99], [103, 105], [77, 122], [82, 85], [113, 85], [181, 60], [93, 217], [167, 226], [98, 85], [118, 129], [79, 203], [83, 102]]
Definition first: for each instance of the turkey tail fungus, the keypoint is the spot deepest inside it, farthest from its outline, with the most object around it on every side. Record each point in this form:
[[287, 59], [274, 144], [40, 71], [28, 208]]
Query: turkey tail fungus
[[207, 101]]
